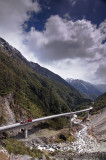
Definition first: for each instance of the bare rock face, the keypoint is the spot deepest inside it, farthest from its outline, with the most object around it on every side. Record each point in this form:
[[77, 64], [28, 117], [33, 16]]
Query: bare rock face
[[19, 157], [1, 106], [10, 117], [6, 112], [7, 116], [25, 157], [43, 157], [99, 125]]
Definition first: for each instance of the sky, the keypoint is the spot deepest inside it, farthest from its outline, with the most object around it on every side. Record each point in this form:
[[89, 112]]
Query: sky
[[66, 36]]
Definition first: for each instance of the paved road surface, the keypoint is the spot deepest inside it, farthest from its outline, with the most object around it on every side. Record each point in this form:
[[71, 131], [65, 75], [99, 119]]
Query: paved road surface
[[29, 124]]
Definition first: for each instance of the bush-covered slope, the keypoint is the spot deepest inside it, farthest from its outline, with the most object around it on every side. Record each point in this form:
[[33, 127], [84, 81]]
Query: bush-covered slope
[[47, 73], [35, 93], [100, 103]]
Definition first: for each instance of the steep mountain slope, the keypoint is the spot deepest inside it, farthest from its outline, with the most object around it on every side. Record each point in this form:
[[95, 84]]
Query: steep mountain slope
[[98, 122], [101, 87], [98, 119], [100, 103], [33, 94], [85, 87], [47, 73]]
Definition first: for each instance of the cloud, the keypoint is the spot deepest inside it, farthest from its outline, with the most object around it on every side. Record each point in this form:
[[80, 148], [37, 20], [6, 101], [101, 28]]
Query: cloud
[[67, 16], [79, 42], [64, 39], [73, 2], [68, 48], [13, 14], [100, 73], [102, 29]]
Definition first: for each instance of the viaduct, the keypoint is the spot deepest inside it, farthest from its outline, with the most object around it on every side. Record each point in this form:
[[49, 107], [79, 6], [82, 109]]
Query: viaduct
[[25, 126]]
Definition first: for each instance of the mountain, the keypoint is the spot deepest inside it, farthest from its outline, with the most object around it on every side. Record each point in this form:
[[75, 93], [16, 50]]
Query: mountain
[[35, 90], [98, 118], [86, 88], [101, 87], [47, 73], [100, 103]]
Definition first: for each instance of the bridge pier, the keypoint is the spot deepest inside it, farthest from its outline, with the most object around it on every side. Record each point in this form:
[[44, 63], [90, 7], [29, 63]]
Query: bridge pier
[[86, 116], [70, 123], [26, 132]]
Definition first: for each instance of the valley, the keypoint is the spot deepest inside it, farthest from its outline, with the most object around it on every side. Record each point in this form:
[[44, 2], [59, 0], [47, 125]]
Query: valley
[[52, 79], [29, 91], [85, 140]]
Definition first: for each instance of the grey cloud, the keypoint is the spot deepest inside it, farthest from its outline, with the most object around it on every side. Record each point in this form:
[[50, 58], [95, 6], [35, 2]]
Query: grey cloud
[[57, 50], [73, 2], [13, 14], [16, 11], [66, 39], [100, 74], [79, 42], [65, 43], [67, 16]]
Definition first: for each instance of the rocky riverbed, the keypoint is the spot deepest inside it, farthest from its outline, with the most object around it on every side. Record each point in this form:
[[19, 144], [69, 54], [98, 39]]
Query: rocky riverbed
[[4, 155], [84, 143], [86, 146], [89, 144]]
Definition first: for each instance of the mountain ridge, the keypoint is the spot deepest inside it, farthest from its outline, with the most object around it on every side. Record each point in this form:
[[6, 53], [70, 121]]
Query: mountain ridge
[[86, 88], [101, 87], [100, 103], [33, 94], [49, 74]]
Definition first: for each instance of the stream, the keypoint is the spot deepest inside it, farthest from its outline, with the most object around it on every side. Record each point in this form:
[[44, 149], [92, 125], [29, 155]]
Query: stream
[[84, 143]]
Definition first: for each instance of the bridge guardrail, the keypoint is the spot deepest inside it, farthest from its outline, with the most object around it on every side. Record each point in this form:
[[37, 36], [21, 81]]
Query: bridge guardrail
[[18, 125]]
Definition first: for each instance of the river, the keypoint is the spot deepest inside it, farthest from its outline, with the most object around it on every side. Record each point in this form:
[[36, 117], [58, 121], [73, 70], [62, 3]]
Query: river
[[84, 143]]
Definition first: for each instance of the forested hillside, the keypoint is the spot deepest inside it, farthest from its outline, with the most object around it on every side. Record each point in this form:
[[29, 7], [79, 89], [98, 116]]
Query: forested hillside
[[100, 103], [36, 94]]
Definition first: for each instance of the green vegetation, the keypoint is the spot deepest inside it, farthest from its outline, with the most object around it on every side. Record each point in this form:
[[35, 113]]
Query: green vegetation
[[64, 136], [17, 147], [34, 95], [99, 104], [54, 153], [2, 117], [57, 123]]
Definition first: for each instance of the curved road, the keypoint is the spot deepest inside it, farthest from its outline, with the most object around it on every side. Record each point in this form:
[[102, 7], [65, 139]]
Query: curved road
[[26, 125]]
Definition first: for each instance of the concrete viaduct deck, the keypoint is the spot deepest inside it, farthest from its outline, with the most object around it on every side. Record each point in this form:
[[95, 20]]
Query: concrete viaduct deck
[[34, 121]]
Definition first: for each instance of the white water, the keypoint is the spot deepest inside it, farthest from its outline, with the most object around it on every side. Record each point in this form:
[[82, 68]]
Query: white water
[[84, 143]]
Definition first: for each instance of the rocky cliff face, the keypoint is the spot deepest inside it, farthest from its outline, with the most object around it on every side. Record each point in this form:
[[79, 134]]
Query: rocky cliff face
[[7, 116], [10, 112], [99, 125]]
